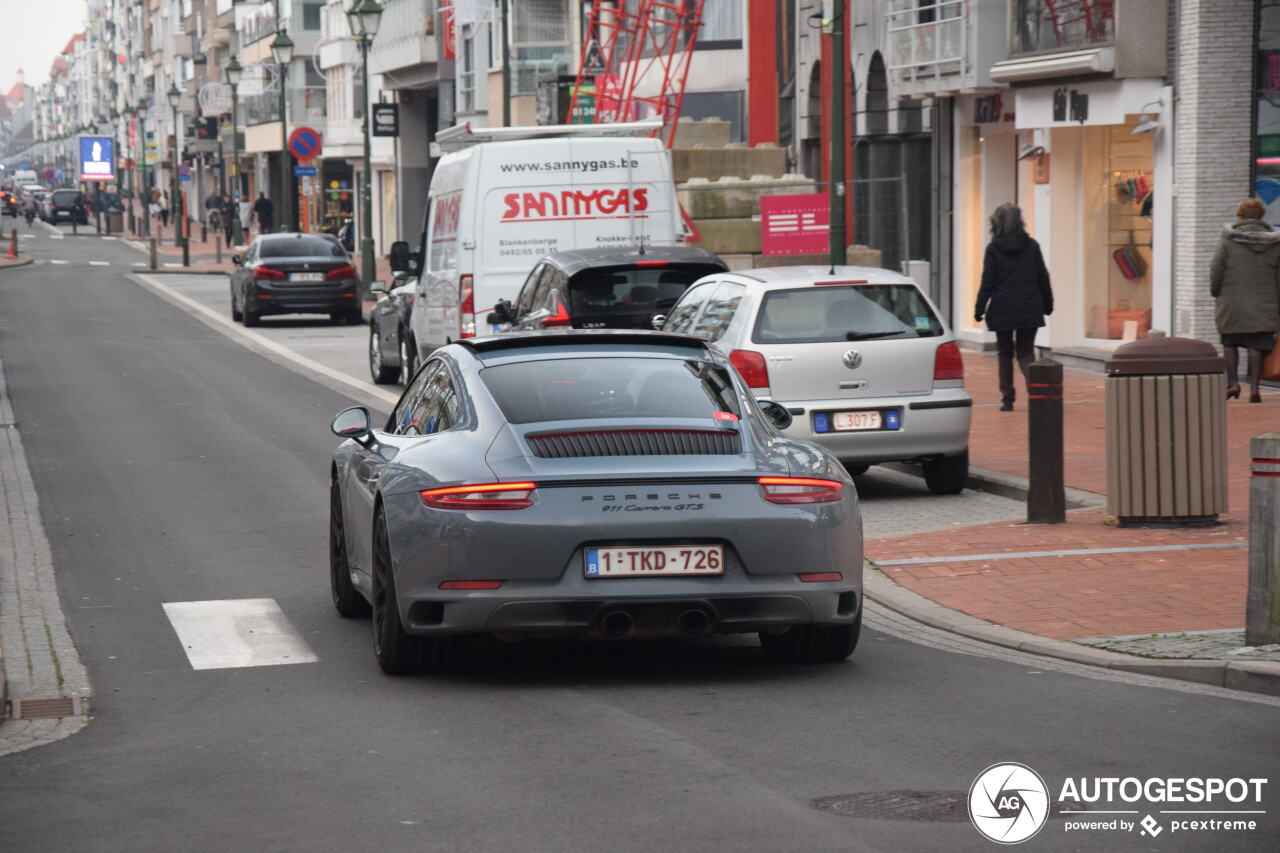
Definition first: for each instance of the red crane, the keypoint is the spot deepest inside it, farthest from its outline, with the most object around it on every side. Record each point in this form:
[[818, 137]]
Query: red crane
[[635, 61]]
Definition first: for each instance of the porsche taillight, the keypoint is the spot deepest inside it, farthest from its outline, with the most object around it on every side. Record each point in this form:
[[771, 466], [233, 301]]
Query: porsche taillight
[[467, 306], [801, 490], [481, 496]]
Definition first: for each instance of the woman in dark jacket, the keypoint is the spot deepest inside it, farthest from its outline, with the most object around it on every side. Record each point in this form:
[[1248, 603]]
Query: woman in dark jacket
[[1243, 279], [1015, 295]]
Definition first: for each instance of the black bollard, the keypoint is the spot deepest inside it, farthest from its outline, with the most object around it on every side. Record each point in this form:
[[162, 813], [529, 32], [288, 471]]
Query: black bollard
[[1046, 497]]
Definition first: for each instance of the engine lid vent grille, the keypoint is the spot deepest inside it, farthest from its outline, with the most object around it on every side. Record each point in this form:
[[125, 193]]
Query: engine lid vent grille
[[646, 442]]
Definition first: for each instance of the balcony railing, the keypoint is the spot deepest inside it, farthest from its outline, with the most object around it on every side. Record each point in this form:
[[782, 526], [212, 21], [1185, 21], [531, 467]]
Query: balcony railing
[[1050, 26], [927, 39]]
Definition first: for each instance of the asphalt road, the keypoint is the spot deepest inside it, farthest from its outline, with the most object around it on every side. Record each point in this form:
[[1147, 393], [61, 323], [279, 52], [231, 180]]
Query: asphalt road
[[173, 464]]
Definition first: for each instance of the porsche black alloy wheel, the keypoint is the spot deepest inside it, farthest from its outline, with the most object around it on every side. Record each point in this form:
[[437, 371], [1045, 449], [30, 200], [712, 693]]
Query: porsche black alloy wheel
[[398, 652], [813, 643], [346, 599]]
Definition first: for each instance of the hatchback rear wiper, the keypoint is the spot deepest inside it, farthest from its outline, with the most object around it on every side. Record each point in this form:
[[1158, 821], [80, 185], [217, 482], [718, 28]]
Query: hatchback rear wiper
[[866, 336]]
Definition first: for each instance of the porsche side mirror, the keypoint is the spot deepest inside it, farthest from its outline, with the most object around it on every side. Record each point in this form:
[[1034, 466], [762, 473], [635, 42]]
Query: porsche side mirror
[[351, 423], [776, 413], [657, 321]]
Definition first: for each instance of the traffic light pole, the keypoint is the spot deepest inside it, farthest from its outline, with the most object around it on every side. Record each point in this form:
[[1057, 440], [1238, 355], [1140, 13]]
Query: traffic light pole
[[839, 25]]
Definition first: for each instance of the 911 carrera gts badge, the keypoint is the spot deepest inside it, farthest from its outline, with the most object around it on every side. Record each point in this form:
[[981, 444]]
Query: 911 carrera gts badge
[[654, 501]]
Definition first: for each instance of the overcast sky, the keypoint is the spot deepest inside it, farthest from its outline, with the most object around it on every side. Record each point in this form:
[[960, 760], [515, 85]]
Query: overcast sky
[[35, 31]]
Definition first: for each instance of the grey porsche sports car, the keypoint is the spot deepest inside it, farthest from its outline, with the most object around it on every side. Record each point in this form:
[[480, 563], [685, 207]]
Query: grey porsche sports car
[[589, 484]]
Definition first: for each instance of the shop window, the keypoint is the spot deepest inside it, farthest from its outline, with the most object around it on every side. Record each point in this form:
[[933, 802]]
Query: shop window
[[1046, 26], [538, 43], [1266, 186], [1118, 305]]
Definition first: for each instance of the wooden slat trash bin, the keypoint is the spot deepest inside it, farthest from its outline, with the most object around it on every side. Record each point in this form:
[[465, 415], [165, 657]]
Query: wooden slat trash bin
[[1166, 433]]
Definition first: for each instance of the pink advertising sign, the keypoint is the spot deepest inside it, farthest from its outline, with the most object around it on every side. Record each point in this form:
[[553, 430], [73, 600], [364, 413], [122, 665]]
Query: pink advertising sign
[[795, 224]]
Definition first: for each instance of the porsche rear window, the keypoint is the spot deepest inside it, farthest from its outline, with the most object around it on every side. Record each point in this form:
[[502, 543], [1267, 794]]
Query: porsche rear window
[[821, 313], [593, 388]]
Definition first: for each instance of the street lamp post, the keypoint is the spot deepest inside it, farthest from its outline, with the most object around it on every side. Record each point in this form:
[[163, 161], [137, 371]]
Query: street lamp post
[[282, 53], [129, 114], [363, 17], [233, 72], [179, 229], [145, 200]]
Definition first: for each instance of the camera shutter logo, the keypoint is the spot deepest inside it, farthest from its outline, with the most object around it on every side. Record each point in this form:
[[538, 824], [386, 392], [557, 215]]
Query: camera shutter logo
[[1008, 803]]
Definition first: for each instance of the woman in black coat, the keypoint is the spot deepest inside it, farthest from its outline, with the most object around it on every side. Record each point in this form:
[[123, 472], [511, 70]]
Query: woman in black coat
[[1015, 295]]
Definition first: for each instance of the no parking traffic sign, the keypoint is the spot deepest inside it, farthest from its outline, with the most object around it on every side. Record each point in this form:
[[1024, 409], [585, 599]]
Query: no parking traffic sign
[[304, 143]]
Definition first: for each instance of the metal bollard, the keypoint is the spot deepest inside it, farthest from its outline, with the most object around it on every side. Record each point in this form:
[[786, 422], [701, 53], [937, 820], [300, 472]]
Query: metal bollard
[[186, 251], [217, 247], [1046, 496], [1262, 607], [204, 232], [153, 252]]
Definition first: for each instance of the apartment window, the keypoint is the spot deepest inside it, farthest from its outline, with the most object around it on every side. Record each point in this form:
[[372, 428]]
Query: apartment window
[[1049, 26], [539, 43], [311, 16], [467, 76], [721, 22]]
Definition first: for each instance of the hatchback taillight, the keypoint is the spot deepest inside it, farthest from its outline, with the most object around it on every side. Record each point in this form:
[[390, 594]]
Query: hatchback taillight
[[752, 367], [269, 274], [481, 496], [947, 363], [467, 306], [801, 490], [346, 271]]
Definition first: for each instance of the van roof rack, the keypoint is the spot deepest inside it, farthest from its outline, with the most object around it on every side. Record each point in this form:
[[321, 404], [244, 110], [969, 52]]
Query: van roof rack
[[463, 136]]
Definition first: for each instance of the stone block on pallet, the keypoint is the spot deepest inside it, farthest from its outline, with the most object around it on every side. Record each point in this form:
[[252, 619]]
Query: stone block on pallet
[[711, 132], [729, 236], [714, 163], [739, 262], [734, 198]]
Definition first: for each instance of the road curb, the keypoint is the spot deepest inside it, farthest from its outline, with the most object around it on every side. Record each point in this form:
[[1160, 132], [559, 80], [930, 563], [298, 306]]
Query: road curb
[[1251, 676], [21, 262], [1008, 485]]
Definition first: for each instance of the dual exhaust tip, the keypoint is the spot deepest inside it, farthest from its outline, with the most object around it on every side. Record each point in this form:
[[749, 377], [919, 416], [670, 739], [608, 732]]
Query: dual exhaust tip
[[618, 623]]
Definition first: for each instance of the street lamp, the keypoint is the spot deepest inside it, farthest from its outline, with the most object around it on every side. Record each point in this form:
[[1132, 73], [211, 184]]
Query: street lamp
[[129, 113], [175, 98], [282, 53], [363, 17], [233, 72]]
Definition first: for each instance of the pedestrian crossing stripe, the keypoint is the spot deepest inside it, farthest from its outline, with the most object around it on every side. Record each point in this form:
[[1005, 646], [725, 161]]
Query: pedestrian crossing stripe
[[234, 633], [99, 263], [57, 262]]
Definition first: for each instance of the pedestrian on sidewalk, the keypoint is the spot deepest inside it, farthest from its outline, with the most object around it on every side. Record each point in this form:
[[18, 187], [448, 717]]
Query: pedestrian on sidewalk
[[263, 209], [213, 209], [1244, 279], [1015, 295], [164, 209]]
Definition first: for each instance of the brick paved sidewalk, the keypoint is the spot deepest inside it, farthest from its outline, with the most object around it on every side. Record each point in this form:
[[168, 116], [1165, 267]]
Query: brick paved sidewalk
[[1162, 580]]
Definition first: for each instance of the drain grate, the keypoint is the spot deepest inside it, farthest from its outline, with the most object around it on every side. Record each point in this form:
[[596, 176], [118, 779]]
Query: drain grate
[[32, 709], [923, 806]]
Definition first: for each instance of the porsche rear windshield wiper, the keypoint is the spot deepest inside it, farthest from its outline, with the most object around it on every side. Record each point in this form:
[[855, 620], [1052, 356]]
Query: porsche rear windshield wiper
[[866, 336]]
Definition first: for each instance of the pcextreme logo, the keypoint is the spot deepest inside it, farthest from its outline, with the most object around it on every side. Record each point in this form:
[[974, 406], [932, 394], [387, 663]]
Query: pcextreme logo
[[1008, 803]]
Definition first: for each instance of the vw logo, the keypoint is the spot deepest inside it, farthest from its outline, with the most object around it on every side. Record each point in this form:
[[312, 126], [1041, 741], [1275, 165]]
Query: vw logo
[[852, 359]]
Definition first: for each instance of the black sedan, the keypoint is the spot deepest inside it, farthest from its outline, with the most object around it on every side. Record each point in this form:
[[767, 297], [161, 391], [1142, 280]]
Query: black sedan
[[391, 353], [65, 205], [295, 274]]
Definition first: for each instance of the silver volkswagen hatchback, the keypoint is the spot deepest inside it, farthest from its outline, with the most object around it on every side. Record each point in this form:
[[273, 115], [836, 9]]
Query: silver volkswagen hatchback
[[858, 355]]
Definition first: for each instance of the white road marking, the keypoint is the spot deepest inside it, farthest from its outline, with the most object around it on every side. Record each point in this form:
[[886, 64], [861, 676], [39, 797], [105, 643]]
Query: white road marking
[[173, 266], [108, 238], [236, 633], [58, 262], [99, 263], [221, 322], [139, 263]]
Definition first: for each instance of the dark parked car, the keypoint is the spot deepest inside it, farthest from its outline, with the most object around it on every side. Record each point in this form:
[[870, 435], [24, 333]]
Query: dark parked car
[[391, 352], [620, 288], [65, 205], [295, 274], [593, 484], [9, 201]]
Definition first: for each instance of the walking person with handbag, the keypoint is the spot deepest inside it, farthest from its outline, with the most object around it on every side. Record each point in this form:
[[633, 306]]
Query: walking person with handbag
[[1244, 279], [1015, 295]]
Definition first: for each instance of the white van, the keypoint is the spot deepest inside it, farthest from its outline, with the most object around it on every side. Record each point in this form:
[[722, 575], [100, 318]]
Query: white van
[[496, 207]]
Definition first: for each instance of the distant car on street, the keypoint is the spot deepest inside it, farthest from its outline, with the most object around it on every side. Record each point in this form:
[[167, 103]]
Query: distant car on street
[[859, 355], [391, 355], [589, 484], [65, 205], [623, 288], [295, 274]]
